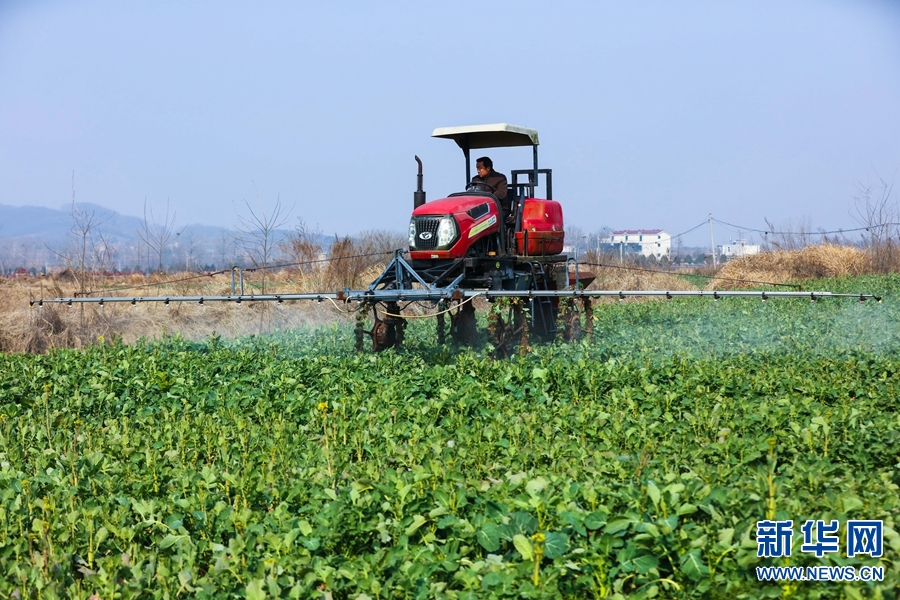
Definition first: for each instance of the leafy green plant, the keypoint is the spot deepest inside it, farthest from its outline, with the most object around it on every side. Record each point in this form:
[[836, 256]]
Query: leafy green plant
[[632, 465]]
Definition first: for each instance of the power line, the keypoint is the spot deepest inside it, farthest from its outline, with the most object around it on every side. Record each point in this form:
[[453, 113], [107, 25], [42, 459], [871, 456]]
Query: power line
[[250, 270], [766, 232], [702, 223]]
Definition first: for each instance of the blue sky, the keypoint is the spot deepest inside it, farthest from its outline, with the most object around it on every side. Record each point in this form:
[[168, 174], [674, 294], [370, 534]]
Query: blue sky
[[651, 114]]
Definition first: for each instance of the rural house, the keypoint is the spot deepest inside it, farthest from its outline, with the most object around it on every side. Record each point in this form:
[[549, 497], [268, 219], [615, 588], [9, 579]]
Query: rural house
[[646, 242]]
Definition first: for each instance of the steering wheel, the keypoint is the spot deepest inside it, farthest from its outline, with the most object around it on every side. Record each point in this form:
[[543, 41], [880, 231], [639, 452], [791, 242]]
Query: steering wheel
[[478, 183]]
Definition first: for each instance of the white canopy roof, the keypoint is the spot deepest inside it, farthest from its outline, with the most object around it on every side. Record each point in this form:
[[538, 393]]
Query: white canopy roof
[[496, 135]]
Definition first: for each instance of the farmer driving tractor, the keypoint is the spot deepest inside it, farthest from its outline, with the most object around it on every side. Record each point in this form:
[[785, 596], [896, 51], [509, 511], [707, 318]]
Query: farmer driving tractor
[[495, 181]]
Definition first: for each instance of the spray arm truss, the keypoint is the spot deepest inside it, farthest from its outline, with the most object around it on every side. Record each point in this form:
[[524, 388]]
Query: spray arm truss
[[448, 293]]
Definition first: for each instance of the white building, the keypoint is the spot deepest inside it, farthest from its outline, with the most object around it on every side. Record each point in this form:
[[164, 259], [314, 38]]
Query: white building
[[647, 242], [737, 248]]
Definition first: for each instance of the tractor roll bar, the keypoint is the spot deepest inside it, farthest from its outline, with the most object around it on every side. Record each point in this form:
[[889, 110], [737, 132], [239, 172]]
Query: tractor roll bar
[[496, 135]]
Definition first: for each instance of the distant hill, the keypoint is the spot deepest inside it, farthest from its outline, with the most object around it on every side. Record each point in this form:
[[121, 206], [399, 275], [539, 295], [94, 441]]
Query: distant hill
[[46, 224], [32, 236], [49, 225]]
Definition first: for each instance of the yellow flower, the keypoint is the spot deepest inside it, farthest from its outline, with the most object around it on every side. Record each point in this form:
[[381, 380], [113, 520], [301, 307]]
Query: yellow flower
[[538, 537], [323, 406]]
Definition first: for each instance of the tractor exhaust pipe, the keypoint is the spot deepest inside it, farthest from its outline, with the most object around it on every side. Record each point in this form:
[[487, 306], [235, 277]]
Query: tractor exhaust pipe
[[419, 194]]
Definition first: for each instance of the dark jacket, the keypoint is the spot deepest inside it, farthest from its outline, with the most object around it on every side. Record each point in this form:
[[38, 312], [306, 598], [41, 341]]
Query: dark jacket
[[498, 182]]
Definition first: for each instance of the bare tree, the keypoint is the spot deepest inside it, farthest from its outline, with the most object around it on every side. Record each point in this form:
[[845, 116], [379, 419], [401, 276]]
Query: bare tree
[[184, 255], [576, 237], [225, 249], [304, 246], [351, 260], [191, 244], [89, 251], [84, 247], [592, 241], [156, 235], [875, 210], [258, 233], [5, 265], [383, 243], [348, 259]]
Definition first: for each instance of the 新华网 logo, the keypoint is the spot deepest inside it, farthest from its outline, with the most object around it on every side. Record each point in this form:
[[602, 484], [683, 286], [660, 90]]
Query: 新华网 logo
[[862, 537]]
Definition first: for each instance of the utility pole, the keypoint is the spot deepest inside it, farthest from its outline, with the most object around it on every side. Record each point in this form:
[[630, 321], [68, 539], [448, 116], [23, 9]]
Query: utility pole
[[712, 242]]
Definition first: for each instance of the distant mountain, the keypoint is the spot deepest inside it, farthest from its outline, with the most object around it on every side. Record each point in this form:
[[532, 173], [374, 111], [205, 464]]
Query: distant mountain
[[50, 225], [32, 236], [35, 223]]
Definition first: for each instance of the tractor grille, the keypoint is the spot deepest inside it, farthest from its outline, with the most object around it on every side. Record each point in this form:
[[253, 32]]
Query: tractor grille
[[430, 225]]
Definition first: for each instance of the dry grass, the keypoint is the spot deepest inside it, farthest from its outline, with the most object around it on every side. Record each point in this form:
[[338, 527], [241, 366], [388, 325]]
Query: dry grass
[[635, 278], [788, 266], [38, 329], [631, 275]]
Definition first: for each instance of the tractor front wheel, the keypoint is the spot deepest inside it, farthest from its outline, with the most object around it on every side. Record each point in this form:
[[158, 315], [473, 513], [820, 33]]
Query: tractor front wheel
[[462, 324]]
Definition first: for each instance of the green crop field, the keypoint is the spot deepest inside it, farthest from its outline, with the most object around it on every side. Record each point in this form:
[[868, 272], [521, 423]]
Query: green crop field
[[634, 464]]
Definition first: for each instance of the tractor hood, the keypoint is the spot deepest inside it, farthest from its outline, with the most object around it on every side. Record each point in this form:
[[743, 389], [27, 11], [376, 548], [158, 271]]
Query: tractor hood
[[453, 205], [448, 228]]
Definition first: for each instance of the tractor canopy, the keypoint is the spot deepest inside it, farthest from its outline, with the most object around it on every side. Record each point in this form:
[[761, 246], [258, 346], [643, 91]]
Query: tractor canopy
[[497, 135]]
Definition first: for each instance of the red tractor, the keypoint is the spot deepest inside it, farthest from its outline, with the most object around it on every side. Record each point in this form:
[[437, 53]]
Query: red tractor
[[467, 240]]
